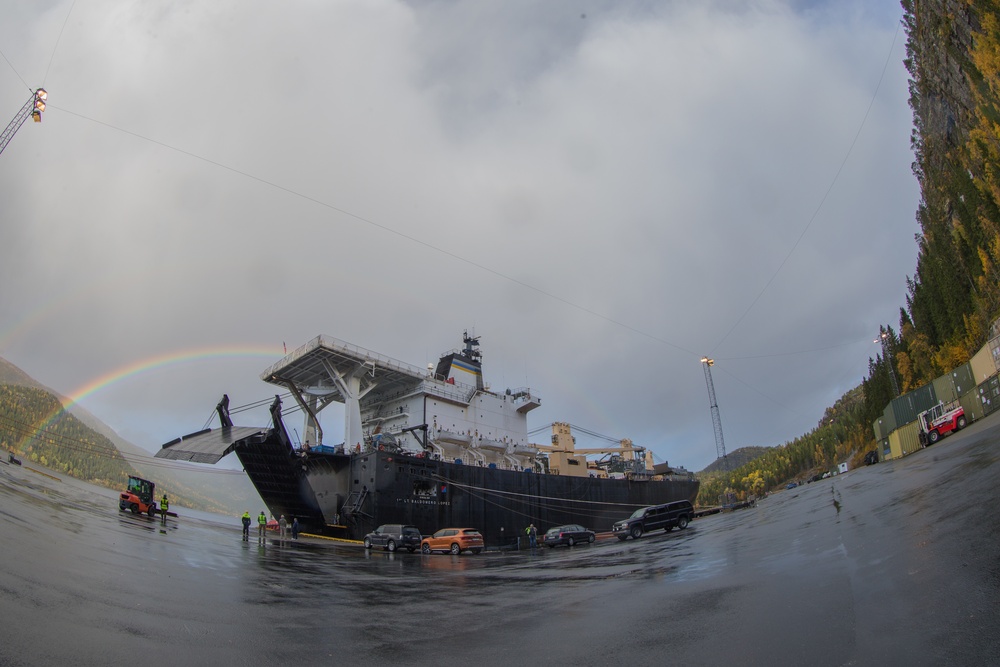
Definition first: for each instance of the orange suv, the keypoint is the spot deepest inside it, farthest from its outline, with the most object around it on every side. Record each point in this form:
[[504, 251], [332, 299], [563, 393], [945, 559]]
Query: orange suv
[[453, 540]]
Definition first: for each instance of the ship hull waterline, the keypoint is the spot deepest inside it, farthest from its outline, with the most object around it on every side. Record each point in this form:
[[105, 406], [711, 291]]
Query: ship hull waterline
[[349, 495]]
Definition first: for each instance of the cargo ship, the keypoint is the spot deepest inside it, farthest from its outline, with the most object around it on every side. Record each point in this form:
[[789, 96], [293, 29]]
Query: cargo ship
[[433, 447]]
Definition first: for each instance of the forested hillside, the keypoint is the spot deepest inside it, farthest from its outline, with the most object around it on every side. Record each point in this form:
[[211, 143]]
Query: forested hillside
[[34, 426], [953, 56], [736, 459], [840, 436]]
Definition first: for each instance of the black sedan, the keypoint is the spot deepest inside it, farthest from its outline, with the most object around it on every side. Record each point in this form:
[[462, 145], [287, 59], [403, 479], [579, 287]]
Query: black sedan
[[568, 535]]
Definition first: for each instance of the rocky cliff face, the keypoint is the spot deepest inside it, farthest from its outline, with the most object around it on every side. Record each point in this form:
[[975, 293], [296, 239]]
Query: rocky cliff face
[[940, 40], [953, 56]]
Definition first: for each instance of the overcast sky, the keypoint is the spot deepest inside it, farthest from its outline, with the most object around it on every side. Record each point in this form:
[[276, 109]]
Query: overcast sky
[[605, 192]]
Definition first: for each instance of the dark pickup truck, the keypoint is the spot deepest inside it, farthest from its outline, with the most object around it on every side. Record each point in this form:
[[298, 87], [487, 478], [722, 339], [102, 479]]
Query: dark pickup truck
[[645, 519]]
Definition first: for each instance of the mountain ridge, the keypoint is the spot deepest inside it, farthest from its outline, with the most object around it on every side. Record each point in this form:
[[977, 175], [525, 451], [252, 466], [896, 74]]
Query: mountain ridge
[[216, 490]]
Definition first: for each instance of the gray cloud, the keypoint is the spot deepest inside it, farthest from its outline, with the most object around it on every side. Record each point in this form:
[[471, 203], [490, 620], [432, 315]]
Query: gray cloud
[[601, 191]]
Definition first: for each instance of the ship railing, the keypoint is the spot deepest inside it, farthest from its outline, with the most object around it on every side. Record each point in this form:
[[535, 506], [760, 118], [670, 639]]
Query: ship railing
[[456, 392], [353, 351], [379, 359]]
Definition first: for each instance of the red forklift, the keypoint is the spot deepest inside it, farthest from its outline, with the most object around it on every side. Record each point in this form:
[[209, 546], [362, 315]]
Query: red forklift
[[139, 498], [939, 421]]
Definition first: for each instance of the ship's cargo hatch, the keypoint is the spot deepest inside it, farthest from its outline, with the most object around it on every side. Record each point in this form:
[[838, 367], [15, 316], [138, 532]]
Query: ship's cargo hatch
[[267, 456], [208, 446], [276, 472]]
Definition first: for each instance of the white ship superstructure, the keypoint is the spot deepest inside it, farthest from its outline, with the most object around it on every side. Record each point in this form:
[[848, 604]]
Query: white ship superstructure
[[445, 411]]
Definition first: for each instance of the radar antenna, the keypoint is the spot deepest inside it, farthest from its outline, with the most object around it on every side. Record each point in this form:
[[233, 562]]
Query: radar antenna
[[471, 343]]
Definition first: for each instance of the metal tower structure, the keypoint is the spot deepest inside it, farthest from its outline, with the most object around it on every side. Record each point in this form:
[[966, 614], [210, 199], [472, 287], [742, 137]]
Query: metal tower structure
[[884, 338], [33, 107], [720, 445]]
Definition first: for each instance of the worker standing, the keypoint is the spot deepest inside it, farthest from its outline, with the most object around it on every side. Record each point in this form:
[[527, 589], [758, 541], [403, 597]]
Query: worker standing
[[532, 535], [295, 528], [246, 526], [282, 527], [261, 526], [164, 506]]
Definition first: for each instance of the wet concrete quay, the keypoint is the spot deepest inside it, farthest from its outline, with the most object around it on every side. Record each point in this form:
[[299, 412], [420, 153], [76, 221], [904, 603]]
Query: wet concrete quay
[[895, 563]]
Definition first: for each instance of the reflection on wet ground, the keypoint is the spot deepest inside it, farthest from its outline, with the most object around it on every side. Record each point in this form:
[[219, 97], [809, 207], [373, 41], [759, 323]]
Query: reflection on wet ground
[[828, 573]]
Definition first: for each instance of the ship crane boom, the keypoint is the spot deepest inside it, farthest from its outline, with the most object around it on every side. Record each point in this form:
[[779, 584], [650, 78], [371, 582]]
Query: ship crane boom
[[592, 450]]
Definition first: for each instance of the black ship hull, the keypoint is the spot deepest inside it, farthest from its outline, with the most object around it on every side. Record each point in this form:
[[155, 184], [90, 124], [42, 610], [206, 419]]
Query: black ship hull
[[350, 495]]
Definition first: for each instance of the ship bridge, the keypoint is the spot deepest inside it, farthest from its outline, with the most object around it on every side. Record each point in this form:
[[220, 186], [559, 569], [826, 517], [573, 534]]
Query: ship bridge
[[327, 370]]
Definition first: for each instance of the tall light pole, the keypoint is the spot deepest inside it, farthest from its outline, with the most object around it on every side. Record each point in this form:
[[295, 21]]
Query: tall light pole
[[33, 107], [720, 445], [883, 337]]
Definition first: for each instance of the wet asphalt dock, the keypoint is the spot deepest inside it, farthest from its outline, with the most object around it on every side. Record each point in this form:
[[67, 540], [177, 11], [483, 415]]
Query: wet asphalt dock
[[893, 564]]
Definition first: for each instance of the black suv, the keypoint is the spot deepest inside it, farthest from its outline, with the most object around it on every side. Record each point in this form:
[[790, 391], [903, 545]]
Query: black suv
[[645, 519], [394, 536]]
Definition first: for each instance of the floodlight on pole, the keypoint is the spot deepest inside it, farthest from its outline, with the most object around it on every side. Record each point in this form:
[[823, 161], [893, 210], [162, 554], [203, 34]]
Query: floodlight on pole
[[33, 107], [883, 338], [720, 445]]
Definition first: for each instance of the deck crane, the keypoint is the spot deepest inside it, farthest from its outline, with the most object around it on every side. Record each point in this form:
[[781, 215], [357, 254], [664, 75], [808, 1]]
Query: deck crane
[[720, 445], [33, 107], [566, 459]]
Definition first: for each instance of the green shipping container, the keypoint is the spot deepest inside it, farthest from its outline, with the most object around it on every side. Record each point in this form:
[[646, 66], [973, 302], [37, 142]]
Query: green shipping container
[[972, 405], [963, 380], [879, 427], [989, 395], [888, 420], [944, 388], [905, 408]]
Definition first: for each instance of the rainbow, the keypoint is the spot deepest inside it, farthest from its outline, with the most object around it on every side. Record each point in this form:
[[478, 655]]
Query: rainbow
[[150, 364]]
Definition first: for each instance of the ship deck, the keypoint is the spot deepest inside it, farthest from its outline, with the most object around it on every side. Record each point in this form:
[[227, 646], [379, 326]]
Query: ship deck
[[312, 365]]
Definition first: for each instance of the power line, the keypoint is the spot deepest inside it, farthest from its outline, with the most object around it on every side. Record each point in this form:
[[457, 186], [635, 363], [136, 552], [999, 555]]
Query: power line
[[56, 46], [107, 451], [866, 341], [15, 71], [389, 230], [822, 201]]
